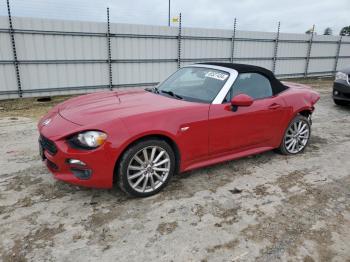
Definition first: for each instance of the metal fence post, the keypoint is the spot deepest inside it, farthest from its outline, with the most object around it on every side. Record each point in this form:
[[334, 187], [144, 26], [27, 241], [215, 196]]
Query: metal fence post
[[15, 60], [309, 52], [275, 52], [337, 55], [109, 52], [179, 44], [233, 40], [169, 13]]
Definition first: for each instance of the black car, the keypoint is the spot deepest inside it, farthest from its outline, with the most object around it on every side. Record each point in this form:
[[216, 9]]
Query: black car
[[341, 87]]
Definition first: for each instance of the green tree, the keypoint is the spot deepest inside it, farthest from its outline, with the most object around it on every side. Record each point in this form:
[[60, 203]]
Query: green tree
[[328, 31], [345, 30]]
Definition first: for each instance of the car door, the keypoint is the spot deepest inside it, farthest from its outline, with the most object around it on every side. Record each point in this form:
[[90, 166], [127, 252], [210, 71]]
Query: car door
[[247, 127]]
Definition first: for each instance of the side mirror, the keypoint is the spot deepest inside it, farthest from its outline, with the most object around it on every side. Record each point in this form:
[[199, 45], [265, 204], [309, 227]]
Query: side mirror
[[241, 100]]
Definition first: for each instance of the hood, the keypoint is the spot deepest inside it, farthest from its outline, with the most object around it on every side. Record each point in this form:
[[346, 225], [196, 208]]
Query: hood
[[101, 107]]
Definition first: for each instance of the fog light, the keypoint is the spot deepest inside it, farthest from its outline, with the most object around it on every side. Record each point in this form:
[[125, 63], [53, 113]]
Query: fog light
[[336, 92], [83, 174], [75, 162]]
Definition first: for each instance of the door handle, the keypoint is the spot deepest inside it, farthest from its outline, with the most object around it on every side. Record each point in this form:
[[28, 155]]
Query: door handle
[[274, 106]]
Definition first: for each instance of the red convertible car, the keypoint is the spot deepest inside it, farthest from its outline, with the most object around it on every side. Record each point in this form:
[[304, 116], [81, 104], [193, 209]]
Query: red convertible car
[[203, 114]]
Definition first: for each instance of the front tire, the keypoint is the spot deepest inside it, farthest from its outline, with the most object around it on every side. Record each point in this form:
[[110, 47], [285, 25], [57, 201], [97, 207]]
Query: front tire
[[340, 102], [146, 168], [296, 137]]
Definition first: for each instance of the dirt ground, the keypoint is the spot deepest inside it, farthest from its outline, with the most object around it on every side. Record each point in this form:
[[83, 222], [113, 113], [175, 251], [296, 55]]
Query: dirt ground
[[266, 207]]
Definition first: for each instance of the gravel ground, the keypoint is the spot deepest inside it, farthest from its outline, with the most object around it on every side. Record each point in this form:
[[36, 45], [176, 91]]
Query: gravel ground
[[266, 207]]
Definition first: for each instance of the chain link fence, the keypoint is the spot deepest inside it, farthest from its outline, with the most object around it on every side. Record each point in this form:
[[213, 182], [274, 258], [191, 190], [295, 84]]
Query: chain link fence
[[52, 57]]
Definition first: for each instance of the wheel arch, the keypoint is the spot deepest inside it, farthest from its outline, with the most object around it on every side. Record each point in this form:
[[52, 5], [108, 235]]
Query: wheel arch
[[305, 112], [161, 136]]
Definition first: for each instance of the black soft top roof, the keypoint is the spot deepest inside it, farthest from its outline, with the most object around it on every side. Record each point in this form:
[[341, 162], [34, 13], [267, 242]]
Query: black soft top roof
[[276, 85]]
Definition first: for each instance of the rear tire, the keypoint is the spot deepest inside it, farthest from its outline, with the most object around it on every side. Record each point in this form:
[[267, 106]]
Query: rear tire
[[296, 136], [340, 102], [146, 168]]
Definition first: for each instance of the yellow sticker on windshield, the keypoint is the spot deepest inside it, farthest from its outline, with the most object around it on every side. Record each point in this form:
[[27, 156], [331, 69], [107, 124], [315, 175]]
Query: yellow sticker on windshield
[[216, 75]]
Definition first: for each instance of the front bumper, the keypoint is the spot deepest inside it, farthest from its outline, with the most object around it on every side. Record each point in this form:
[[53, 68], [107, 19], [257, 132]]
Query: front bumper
[[97, 173], [100, 162], [341, 91]]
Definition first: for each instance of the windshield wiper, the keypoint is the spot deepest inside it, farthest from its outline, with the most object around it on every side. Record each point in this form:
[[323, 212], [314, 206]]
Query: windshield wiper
[[171, 93], [157, 91]]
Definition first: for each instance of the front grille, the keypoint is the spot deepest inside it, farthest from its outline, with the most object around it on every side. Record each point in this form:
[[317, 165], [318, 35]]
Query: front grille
[[48, 145]]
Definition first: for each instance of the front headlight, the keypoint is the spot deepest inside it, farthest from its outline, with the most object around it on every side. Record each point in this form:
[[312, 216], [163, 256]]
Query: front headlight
[[89, 139], [341, 76]]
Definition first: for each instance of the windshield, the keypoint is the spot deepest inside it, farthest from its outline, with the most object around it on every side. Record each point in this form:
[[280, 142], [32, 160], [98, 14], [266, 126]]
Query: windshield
[[195, 84]]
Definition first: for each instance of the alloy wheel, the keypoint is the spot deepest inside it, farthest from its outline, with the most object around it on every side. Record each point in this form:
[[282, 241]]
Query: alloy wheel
[[297, 136], [148, 169]]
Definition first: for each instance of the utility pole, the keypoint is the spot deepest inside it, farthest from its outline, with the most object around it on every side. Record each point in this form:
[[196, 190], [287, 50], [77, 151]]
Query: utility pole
[[109, 52], [309, 52], [275, 52], [233, 39], [169, 13], [179, 44], [14, 51]]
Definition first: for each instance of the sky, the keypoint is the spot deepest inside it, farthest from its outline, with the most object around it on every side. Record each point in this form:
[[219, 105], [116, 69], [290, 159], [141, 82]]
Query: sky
[[296, 16]]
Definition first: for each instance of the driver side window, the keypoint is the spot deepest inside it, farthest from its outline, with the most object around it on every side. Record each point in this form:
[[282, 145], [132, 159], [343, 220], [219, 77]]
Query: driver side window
[[254, 85]]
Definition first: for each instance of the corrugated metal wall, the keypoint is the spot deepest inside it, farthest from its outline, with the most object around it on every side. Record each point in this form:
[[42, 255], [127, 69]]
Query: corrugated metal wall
[[65, 57]]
